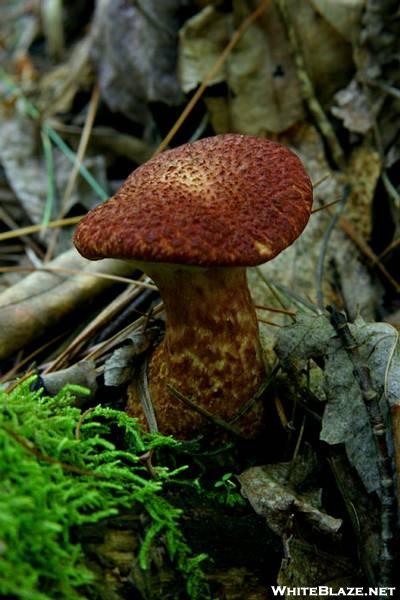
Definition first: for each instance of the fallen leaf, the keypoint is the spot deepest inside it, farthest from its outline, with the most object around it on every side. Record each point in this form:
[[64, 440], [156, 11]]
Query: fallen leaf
[[292, 277], [328, 57], [134, 51], [120, 366], [345, 417], [271, 490], [201, 40], [310, 567], [259, 71], [352, 107], [40, 302], [26, 172], [362, 173], [82, 374], [59, 87], [343, 15]]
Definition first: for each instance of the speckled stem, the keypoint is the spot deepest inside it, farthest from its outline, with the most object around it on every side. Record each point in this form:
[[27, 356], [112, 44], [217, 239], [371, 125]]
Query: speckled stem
[[211, 351]]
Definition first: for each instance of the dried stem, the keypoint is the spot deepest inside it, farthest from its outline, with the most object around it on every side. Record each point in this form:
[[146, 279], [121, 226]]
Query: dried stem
[[212, 72], [307, 87], [376, 419]]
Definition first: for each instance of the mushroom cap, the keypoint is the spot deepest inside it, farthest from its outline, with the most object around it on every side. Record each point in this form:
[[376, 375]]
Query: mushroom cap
[[228, 200]]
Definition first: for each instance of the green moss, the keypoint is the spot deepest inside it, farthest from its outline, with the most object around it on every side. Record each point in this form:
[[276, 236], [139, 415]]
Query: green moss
[[60, 469]]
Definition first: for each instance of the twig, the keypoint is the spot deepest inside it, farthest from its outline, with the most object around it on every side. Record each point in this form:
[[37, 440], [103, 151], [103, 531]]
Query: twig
[[9, 221], [33, 113], [324, 206], [107, 345], [324, 248], [109, 312], [212, 72], [321, 180], [349, 230], [297, 446], [259, 393], [53, 26], [307, 87], [268, 322], [29, 447], [388, 249], [28, 359], [83, 143], [202, 411], [376, 419], [304, 395], [22, 231], [51, 180], [66, 271], [389, 89], [296, 450], [273, 292], [275, 285], [280, 411], [276, 310], [143, 391], [80, 421]]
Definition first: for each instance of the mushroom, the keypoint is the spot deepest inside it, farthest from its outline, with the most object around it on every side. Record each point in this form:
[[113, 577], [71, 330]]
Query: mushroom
[[193, 218]]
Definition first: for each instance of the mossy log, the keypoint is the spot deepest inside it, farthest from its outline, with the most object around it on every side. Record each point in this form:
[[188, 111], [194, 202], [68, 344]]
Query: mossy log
[[244, 556]]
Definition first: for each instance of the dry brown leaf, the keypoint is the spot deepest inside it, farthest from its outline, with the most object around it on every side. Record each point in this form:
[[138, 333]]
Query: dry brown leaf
[[59, 86], [259, 72], [262, 77], [40, 302], [343, 15], [353, 108], [328, 57], [362, 173], [307, 566], [273, 496], [134, 49], [25, 169], [202, 39], [82, 374]]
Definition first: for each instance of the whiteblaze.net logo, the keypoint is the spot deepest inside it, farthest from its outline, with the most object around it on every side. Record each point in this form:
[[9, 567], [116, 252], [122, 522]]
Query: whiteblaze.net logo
[[322, 590]]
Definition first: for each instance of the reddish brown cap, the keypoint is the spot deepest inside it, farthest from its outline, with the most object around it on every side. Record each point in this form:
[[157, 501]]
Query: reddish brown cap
[[228, 200]]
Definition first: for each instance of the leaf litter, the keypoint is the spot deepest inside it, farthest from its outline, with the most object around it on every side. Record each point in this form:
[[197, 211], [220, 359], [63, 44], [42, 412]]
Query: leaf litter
[[319, 79]]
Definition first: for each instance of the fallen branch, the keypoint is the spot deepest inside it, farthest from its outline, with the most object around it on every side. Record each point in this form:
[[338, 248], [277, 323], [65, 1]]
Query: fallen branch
[[42, 300]]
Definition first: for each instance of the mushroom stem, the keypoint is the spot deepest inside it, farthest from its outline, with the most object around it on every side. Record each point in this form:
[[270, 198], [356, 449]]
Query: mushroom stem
[[211, 352]]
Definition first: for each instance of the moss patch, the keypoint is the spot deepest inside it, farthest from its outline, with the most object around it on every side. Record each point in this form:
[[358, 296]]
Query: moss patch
[[61, 468]]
